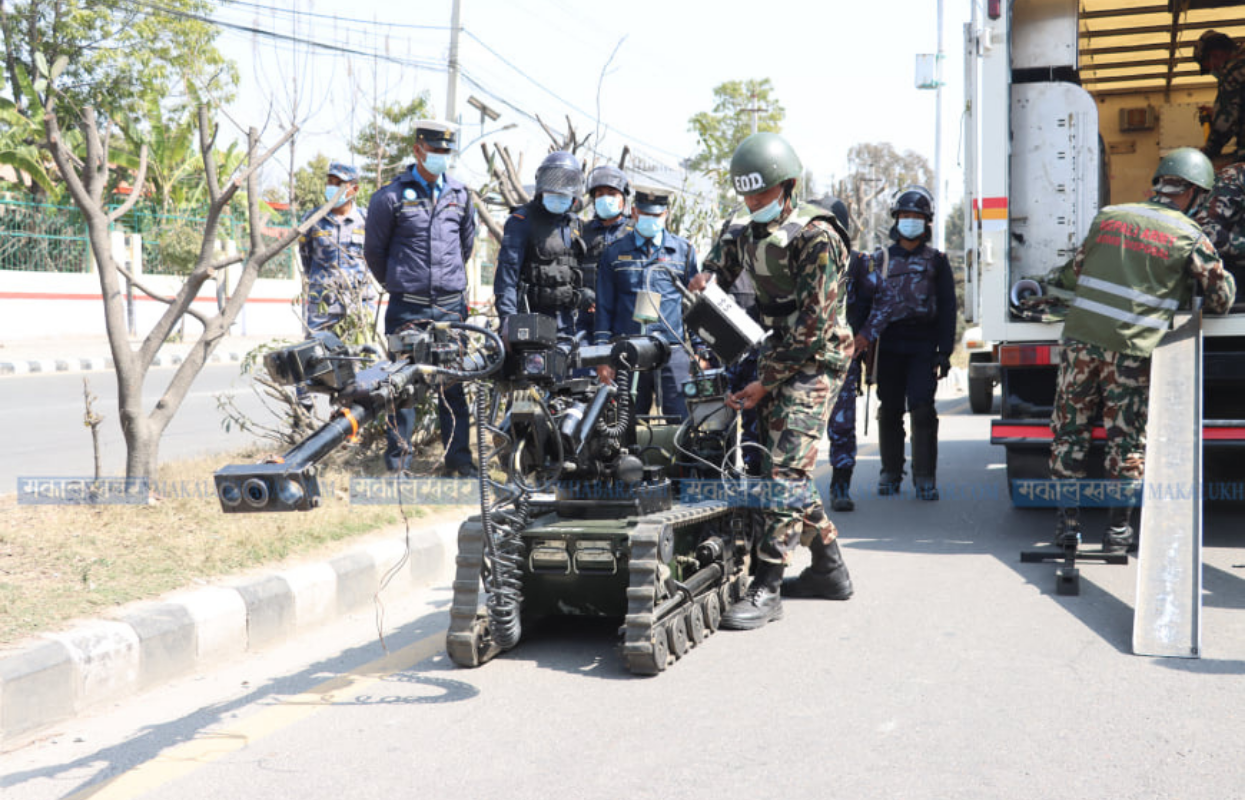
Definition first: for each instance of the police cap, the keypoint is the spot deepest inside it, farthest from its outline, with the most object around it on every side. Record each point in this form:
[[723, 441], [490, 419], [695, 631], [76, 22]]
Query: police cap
[[651, 200], [435, 134], [347, 172]]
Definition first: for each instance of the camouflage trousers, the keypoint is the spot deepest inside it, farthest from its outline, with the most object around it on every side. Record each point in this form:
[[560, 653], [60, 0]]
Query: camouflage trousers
[[842, 429], [1090, 378], [792, 419]]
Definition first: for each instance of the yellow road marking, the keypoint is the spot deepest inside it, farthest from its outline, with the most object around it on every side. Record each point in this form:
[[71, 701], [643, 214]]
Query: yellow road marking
[[209, 746]]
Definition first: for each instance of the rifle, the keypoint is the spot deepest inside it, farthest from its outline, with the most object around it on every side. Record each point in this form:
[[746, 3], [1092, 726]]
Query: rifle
[[870, 368]]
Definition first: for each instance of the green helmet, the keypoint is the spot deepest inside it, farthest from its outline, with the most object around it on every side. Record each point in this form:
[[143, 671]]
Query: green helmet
[[1187, 163], [761, 161]]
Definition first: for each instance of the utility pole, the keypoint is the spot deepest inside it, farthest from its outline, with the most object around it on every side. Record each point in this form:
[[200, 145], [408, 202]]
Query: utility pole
[[755, 110], [940, 217], [451, 92]]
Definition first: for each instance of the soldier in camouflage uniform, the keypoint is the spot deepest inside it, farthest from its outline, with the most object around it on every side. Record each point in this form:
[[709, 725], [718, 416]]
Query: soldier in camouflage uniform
[[1136, 266], [795, 255], [608, 188], [864, 275], [1216, 53], [332, 255], [912, 323], [1222, 217]]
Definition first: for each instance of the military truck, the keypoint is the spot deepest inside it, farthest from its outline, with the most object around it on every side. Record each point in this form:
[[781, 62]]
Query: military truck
[[1070, 104]]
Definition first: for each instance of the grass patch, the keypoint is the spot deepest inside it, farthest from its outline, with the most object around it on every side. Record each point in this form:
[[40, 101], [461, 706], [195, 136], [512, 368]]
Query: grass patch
[[60, 563]]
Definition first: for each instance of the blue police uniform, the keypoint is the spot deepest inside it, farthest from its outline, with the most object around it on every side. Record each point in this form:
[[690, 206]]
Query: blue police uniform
[[419, 239], [913, 326], [629, 266], [536, 241], [331, 252], [597, 236], [864, 276]]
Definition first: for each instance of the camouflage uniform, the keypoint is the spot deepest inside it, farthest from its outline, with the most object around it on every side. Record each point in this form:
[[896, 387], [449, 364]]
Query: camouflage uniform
[[337, 276], [864, 275], [1222, 217], [1105, 358], [1228, 121], [797, 266]]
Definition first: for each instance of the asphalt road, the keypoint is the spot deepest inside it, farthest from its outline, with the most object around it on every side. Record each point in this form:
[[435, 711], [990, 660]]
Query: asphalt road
[[955, 672], [46, 436]]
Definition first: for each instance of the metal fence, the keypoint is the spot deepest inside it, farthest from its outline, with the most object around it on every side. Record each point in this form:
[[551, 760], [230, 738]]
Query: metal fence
[[38, 237]]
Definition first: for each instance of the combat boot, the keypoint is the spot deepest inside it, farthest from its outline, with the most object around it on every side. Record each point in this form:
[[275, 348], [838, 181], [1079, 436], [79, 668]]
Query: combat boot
[[762, 602], [826, 577], [1068, 528], [925, 452], [1120, 536], [890, 448], [840, 487]]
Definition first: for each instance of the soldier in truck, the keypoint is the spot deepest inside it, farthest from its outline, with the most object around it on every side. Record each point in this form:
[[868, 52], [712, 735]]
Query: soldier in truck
[[1137, 265]]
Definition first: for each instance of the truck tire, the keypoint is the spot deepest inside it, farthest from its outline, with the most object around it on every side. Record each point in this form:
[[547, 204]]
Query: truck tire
[[980, 390]]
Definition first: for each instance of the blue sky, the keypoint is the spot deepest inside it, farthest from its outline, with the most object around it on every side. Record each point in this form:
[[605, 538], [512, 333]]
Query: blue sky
[[843, 71]]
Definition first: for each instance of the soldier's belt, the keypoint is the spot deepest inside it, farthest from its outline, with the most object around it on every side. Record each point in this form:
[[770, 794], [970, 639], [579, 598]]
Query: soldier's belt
[[442, 300], [783, 309]]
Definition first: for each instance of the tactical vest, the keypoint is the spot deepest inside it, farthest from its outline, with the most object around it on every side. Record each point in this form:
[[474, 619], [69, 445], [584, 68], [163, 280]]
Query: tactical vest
[[551, 263], [768, 260], [915, 275], [1133, 279], [596, 238]]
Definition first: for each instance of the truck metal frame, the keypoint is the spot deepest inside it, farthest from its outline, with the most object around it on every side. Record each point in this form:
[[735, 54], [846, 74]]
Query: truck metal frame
[[1069, 106]]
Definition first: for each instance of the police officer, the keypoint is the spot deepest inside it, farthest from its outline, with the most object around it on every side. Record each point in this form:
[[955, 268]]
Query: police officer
[[914, 316], [1217, 54], [421, 229], [864, 274], [795, 254], [608, 189], [1134, 270], [331, 252], [541, 248], [638, 292]]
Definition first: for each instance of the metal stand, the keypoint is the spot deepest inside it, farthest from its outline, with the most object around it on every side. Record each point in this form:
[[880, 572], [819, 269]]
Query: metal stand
[[1068, 577]]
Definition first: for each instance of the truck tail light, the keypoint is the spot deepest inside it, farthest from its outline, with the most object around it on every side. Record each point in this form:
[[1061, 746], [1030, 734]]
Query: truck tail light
[[1028, 355]]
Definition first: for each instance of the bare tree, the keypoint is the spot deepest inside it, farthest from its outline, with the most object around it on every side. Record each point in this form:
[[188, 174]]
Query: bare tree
[[86, 179]]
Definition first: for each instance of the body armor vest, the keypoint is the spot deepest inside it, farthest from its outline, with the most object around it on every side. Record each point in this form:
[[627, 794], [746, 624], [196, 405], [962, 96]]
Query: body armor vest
[[769, 260], [551, 263], [915, 276]]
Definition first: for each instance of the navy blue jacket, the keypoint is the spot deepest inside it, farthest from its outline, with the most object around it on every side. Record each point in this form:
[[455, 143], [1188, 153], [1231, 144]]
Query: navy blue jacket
[[415, 247], [624, 270], [513, 253]]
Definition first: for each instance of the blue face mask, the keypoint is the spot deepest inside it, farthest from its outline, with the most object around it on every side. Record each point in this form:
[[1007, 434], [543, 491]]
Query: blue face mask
[[770, 212], [911, 228], [556, 203], [436, 163], [608, 206], [331, 191], [648, 226]]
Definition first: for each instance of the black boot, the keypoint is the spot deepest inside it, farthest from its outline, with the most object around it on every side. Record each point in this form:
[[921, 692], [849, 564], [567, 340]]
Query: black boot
[[1121, 536], [890, 448], [925, 452], [840, 486], [826, 577], [1068, 528], [761, 604]]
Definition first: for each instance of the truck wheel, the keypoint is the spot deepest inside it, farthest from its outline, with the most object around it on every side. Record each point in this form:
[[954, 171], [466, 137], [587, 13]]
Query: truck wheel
[[980, 390]]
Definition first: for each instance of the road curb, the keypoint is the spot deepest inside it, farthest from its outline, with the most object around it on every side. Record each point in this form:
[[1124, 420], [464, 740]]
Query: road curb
[[100, 661], [82, 364]]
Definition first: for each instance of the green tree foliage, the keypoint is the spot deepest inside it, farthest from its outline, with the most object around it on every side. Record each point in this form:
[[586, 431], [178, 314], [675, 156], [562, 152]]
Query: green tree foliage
[[384, 144], [720, 131], [876, 171], [116, 53]]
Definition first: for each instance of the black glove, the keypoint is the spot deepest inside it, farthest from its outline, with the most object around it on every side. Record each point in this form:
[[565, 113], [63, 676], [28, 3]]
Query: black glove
[[944, 367]]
